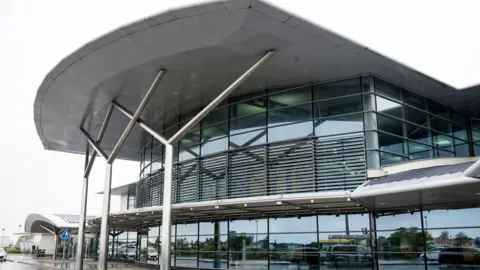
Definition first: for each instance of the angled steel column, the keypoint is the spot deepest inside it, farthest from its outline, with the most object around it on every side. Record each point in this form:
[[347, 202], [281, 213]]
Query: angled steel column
[[83, 205], [101, 132], [141, 123], [103, 255], [167, 182]]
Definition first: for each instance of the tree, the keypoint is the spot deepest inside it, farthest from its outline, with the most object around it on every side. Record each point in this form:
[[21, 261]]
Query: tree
[[24, 238], [444, 235], [462, 239]]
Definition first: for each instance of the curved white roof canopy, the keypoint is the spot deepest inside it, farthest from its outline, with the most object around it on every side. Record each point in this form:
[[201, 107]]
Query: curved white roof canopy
[[203, 48], [48, 223]]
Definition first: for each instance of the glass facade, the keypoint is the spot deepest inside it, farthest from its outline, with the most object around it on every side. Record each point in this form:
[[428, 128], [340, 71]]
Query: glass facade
[[404, 240], [404, 125], [230, 155]]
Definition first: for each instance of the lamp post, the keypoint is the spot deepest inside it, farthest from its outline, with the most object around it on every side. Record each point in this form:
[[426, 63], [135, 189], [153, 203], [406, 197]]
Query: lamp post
[[256, 235], [3, 233]]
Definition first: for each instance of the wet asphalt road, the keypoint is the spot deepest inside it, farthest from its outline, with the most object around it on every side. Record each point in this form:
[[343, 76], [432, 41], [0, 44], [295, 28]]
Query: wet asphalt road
[[17, 266]]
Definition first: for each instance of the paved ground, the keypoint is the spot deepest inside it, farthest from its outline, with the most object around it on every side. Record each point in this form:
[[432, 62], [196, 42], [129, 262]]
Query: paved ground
[[47, 263]]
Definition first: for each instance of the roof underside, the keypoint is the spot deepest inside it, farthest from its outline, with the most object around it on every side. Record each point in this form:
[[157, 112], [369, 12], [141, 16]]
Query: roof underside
[[203, 48]]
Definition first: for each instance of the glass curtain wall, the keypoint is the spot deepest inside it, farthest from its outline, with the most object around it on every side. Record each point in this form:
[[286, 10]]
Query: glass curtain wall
[[413, 240], [408, 126], [330, 109], [282, 243], [411, 127]]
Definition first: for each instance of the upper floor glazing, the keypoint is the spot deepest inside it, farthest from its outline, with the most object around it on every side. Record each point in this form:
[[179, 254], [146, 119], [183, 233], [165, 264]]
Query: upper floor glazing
[[398, 124]]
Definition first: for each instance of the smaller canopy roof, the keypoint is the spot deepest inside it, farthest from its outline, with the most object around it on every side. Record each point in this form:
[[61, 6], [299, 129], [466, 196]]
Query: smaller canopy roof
[[328, 202], [51, 223], [426, 187]]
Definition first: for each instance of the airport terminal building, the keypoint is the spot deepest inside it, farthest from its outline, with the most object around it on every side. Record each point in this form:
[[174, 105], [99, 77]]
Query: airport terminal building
[[281, 145]]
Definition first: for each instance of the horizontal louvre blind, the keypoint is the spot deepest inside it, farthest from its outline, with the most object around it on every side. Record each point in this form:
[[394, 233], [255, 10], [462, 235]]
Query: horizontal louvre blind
[[305, 165]]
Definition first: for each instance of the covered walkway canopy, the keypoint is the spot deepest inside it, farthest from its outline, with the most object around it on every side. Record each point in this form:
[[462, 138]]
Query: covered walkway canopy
[[288, 205], [51, 223]]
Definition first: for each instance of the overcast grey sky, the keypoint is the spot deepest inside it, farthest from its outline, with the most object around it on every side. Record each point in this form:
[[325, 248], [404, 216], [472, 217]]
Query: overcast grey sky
[[438, 38]]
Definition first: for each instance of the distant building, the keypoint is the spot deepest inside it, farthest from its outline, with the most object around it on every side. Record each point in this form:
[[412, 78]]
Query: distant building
[[5, 241]]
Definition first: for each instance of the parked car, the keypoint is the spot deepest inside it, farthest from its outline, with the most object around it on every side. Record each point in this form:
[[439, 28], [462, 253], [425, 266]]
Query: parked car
[[3, 255], [152, 254], [349, 254], [432, 254], [306, 255], [459, 256]]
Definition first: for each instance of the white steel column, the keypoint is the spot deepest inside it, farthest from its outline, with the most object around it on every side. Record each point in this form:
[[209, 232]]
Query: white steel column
[[167, 182], [167, 208], [81, 223], [103, 256]]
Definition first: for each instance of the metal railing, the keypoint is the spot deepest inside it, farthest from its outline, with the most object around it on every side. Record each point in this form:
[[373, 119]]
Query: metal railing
[[310, 164]]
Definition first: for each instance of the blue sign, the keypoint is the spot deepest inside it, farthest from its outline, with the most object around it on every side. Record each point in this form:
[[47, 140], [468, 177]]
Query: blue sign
[[65, 235]]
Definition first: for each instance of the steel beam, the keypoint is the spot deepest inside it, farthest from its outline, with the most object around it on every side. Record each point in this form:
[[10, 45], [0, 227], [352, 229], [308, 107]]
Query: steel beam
[[103, 128], [214, 103], [141, 123], [167, 182], [103, 254], [135, 116], [94, 144]]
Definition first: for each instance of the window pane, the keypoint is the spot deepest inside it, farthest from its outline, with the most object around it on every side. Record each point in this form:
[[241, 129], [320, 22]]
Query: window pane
[[338, 106], [390, 143], [291, 97], [216, 116], [284, 225], [248, 107], [418, 134], [331, 223], [290, 115], [389, 107], [459, 132], [475, 136], [387, 89], [458, 118], [358, 222], [442, 141], [438, 109], [414, 100], [247, 123], [400, 221], [419, 151], [387, 158], [440, 124], [248, 139], [215, 146], [189, 153], [248, 226], [290, 131], [215, 132], [390, 125], [475, 123], [442, 153], [416, 116], [337, 89], [190, 139], [339, 125], [462, 149], [187, 229]]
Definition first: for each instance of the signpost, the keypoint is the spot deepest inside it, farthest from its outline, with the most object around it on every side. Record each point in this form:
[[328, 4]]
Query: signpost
[[65, 237]]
